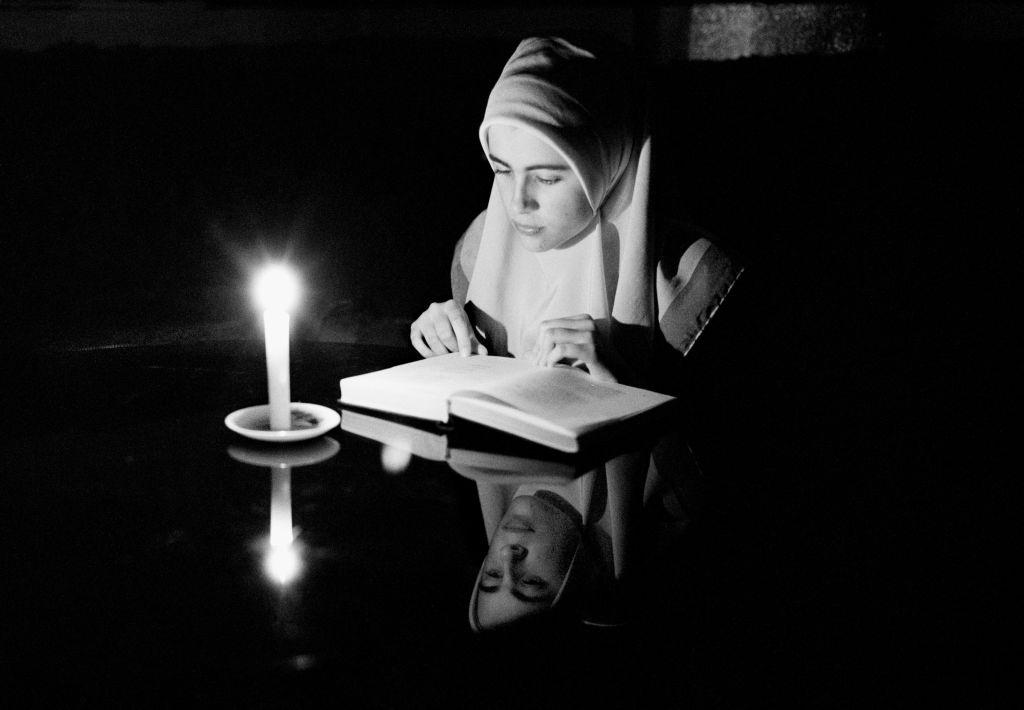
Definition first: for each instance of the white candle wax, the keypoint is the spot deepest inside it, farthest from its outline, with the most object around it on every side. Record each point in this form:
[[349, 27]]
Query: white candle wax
[[281, 507], [275, 328]]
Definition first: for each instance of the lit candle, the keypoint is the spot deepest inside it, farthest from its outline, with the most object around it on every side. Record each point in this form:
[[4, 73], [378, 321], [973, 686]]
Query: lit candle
[[277, 292]]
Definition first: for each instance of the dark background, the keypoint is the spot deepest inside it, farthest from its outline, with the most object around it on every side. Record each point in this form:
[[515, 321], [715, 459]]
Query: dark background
[[845, 394]]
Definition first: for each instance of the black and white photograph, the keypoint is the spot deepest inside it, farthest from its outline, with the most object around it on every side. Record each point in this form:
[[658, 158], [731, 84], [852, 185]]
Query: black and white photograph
[[531, 354]]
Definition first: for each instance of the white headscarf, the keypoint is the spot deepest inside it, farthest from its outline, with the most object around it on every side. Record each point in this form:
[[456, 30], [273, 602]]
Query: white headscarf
[[567, 97]]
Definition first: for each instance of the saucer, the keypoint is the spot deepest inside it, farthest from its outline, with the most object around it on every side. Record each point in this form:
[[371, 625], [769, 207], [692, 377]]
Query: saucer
[[308, 421], [303, 453]]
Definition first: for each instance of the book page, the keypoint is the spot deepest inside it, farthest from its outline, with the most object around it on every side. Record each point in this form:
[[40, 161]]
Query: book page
[[560, 399], [421, 388]]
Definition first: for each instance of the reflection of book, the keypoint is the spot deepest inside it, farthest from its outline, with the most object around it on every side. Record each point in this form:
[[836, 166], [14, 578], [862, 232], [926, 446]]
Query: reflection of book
[[476, 463], [554, 406]]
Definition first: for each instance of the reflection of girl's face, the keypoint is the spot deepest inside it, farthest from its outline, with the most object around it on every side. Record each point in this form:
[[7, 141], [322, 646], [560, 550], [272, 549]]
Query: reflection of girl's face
[[543, 197], [527, 561]]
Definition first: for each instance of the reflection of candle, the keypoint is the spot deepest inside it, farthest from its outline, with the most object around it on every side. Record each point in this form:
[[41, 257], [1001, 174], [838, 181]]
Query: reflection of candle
[[282, 562], [281, 506], [277, 291]]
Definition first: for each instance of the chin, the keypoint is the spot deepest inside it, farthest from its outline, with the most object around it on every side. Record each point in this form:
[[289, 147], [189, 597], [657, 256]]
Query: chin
[[534, 244], [540, 243]]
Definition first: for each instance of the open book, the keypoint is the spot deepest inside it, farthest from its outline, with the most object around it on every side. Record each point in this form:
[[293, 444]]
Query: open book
[[480, 463], [559, 406]]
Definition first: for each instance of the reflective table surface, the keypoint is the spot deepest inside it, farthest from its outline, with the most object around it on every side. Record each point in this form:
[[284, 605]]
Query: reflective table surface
[[150, 559], [159, 558]]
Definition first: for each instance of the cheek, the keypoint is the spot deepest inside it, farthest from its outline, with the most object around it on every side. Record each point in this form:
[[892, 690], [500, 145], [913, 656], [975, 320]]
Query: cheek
[[571, 210], [582, 214], [503, 192], [556, 551], [553, 563]]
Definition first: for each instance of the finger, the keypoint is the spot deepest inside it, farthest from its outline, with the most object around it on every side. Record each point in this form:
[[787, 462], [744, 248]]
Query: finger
[[552, 356], [477, 347], [433, 342], [416, 337], [460, 325], [562, 330], [550, 339], [543, 346], [582, 321], [443, 329], [569, 351], [555, 336]]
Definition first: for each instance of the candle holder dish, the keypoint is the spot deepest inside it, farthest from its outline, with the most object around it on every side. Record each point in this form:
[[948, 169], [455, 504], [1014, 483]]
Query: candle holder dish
[[305, 453], [308, 421]]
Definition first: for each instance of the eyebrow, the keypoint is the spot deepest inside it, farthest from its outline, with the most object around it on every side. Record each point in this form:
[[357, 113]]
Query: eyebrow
[[530, 167], [517, 594]]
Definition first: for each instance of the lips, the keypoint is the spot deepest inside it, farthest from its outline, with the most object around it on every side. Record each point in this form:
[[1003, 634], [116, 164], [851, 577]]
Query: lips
[[526, 229]]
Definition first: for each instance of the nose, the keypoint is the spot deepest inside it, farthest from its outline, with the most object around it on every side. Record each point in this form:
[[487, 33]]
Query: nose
[[513, 553], [522, 198]]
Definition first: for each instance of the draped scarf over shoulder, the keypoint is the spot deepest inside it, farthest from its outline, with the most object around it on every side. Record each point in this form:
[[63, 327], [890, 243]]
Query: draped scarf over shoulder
[[576, 102]]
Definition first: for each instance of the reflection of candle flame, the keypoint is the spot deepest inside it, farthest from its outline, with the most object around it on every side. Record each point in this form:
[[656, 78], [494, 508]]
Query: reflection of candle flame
[[282, 562], [395, 459]]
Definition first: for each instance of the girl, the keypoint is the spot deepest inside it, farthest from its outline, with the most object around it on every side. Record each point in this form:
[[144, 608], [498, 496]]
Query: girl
[[561, 266], [558, 264]]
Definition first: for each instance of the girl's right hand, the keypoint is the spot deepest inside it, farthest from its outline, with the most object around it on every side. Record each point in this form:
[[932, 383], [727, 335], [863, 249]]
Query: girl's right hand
[[444, 328]]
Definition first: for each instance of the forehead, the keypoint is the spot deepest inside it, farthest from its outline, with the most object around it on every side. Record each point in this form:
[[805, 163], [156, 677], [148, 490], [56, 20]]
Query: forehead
[[516, 146]]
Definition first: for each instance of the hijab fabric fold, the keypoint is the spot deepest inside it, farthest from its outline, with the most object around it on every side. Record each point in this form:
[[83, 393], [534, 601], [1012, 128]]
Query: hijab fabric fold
[[581, 106]]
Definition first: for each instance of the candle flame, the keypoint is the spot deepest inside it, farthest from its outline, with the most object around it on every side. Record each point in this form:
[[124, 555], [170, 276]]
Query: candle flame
[[282, 564], [276, 288]]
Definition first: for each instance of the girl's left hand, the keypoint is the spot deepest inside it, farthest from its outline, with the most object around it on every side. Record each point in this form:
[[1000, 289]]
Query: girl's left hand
[[573, 338]]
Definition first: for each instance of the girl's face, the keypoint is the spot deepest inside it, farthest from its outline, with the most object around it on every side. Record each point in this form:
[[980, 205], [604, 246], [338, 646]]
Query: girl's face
[[543, 197], [526, 563]]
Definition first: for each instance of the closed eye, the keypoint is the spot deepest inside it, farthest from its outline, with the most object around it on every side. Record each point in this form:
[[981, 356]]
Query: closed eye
[[490, 581], [549, 178]]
